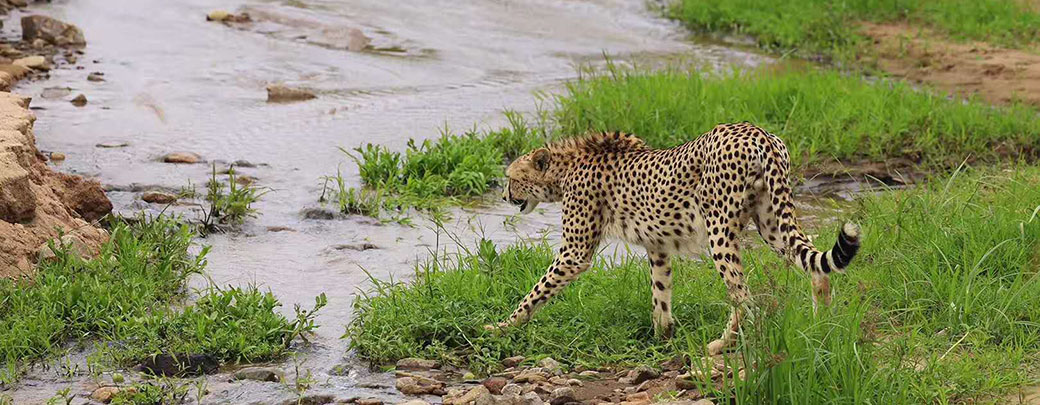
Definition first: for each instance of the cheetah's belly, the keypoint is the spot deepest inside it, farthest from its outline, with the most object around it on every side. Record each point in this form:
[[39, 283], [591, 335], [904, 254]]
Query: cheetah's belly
[[687, 238]]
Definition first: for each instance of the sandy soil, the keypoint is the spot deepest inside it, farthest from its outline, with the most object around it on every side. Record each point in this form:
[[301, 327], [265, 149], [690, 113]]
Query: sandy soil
[[997, 75]]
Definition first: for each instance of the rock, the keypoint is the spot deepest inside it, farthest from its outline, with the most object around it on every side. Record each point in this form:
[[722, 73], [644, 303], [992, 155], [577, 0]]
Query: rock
[[55, 92], [550, 365], [495, 385], [313, 399], [18, 3], [218, 15], [416, 386], [32, 62], [589, 374], [412, 363], [84, 196], [575, 382], [226, 17], [17, 201], [281, 93], [361, 247], [319, 213], [179, 365], [57, 156], [245, 180], [512, 361], [370, 401], [79, 101], [33, 197], [104, 394], [181, 157], [638, 397], [51, 31], [243, 163], [562, 396], [414, 402], [112, 145], [478, 395], [531, 398], [96, 77], [640, 374], [643, 386], [71, 243], [684, 384], [530, 378], [357, 41], [259, 374], [511, 389]]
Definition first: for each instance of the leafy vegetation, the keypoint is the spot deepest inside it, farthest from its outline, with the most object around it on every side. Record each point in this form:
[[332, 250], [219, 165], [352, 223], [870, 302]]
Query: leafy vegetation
[[943, 305], [432, 172], [820, 27], [821, 115], [121, 299]]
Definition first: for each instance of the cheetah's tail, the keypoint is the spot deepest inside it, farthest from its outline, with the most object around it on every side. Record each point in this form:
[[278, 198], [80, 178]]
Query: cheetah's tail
[[835, 259]]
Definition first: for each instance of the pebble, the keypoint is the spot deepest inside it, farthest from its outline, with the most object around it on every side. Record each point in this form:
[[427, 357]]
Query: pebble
[[79, 101], [258, 373], [32, 62], [57, 156], [412, 363], [156, 197], [181, 157], [562, 396], [513, 361], [496, 384], [95, 77]]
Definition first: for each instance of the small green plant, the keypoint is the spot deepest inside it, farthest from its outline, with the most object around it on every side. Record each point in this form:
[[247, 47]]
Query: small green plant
[[158, 391], [63, 396], [230, 203]]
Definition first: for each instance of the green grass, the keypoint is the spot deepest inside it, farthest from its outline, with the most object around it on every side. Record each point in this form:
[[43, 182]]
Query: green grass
[[821, 115], [942, 305], [432, 173], [121, 301], [827, 28]]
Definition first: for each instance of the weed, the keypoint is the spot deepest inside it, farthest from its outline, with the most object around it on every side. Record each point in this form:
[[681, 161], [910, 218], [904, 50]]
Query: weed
[[229, 204], [943, 305]]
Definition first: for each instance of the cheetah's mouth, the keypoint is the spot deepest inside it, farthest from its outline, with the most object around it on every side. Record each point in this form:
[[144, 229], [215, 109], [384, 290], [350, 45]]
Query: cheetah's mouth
[[525, 206]]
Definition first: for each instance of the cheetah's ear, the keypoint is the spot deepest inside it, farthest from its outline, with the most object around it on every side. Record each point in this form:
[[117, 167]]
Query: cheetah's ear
[[540, 158]]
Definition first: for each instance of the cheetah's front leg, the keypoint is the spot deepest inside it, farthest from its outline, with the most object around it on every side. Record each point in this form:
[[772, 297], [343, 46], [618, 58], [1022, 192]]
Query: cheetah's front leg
[[581, 235], [661, 288]]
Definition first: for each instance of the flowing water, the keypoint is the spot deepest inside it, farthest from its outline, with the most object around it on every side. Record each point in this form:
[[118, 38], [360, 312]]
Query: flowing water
[[175, 82]]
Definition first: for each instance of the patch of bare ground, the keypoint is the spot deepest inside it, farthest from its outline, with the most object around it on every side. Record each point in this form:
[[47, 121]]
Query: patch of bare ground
[[998, 75]]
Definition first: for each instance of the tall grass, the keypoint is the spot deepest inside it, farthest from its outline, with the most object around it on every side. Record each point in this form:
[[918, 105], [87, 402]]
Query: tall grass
[[820, 115], [828, 28], [121, 300], [941, 306]]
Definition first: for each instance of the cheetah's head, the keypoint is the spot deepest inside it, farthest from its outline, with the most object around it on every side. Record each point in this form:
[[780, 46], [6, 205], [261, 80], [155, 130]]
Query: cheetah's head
[[531, 180]]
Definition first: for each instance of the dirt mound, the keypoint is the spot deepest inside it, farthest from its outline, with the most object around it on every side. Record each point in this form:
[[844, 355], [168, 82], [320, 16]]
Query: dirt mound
[[35, 202], [998, 75]]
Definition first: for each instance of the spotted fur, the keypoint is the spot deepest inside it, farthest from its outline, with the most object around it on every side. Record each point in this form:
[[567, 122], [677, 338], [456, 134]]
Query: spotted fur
[[671, 201]]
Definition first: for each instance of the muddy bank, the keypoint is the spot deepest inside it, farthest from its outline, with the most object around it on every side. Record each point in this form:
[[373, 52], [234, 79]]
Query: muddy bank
[[36, 203], [998, 75]]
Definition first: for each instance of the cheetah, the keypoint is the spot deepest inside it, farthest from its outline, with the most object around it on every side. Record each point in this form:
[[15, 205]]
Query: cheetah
[[691, 199]]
